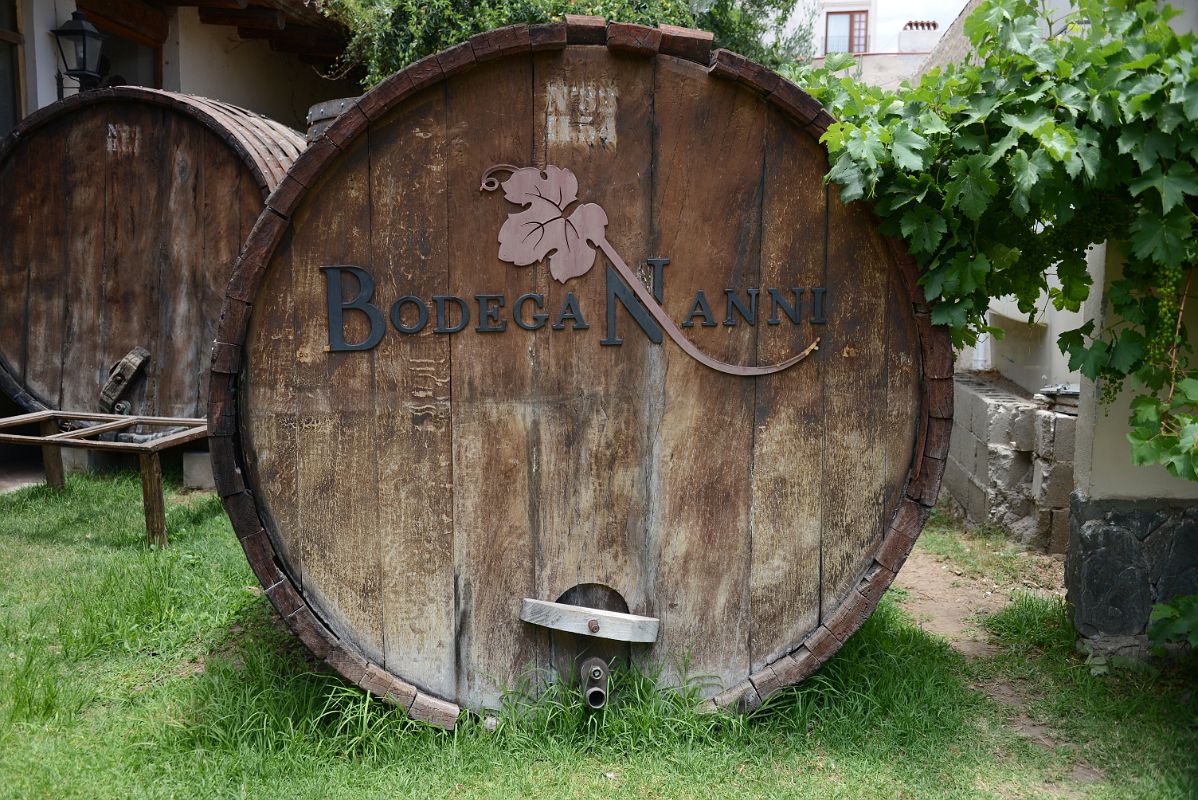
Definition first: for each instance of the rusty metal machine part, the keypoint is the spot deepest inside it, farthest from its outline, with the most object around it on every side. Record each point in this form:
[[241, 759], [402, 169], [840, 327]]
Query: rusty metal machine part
[[120, 378]]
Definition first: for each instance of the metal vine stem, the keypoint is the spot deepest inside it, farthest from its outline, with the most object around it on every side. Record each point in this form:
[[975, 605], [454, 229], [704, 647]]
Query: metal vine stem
[[490, 183]]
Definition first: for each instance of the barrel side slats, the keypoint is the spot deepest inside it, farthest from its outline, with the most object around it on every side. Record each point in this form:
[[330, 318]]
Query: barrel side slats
[[267, 147], [788, 418]]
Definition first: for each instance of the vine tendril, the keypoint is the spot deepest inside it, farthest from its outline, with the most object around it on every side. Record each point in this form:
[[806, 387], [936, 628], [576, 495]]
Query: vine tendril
[[490, 183]]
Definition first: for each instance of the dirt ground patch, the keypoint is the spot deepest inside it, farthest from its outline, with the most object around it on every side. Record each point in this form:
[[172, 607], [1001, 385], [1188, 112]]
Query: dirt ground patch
[[947, 598], [945, 601], [949, 585], [18, 476]]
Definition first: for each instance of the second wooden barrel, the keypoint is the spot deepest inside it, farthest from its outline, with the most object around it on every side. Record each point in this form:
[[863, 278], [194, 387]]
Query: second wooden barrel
[[556, 344], [122, 213]]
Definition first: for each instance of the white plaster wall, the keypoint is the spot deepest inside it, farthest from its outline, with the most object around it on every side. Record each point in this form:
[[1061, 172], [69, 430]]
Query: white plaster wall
[[1028, 354], [1104, 469], [211, 61], [38, 18], [884, 70], [888, 70], [1188, 19], [918, 41], [208, 60]]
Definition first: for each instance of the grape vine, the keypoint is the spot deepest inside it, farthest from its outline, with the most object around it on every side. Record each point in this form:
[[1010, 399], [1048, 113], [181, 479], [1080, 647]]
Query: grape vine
[[1059, 133]]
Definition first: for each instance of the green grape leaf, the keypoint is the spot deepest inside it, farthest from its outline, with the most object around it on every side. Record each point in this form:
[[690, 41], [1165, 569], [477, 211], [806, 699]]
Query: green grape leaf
[[931, 123], [1179, 463], [846, 173], [1145, 448], [1029, 122], [923, 228], [1072, 98], [1056, 140], [1124, 303], [972, 185], [1129, 348], [965, 274], [1161, 238], [1188, 388], [1000, 149], [1173, 186], [1186, 96], [1146, 410], [1188, 439], [1089, 360], [1089, 151], [865, 147], [1147, 147], [1075, 338], [908, 148]]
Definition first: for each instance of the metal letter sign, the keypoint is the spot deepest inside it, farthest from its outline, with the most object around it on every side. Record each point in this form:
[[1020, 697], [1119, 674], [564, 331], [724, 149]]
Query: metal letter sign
[[552, 226]]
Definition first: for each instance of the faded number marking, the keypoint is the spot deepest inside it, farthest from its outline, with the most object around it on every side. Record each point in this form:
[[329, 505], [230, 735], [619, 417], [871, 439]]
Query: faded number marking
[[581, 113], [124, 140]]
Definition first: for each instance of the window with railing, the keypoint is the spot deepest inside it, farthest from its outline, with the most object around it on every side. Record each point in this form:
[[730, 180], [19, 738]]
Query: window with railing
[[847, 32], [10, 66]]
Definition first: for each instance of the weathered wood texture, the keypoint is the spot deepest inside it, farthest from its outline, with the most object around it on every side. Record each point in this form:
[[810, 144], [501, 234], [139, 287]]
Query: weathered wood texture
[[700, 540], [123, 211], [417, 492]]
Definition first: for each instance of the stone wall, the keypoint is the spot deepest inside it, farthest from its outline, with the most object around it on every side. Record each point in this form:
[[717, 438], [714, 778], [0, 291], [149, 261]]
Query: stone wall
[[1010, 461], [1125, 556]]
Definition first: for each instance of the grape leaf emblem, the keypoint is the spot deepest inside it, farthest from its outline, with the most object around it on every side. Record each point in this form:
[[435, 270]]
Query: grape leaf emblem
[[543, 229], [546, 227]]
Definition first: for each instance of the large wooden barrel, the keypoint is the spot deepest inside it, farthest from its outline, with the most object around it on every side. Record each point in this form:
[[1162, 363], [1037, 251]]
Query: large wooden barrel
[[456, 379], [122, 213]]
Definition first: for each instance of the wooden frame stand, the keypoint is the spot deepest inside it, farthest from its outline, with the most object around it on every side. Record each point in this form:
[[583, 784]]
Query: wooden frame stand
[[61, 429]]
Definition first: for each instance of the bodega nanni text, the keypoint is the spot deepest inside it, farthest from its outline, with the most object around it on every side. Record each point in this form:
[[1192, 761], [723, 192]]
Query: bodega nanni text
[[492, 312]]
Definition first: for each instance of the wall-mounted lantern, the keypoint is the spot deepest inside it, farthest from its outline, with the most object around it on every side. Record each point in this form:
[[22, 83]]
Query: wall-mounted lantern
[[79, 45]]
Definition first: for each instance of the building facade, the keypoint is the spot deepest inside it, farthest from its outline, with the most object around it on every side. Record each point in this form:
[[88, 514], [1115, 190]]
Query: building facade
[[887, 53], [273, 58]]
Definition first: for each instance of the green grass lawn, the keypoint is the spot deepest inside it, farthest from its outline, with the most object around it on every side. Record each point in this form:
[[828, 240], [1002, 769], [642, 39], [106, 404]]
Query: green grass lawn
[[126, 672]]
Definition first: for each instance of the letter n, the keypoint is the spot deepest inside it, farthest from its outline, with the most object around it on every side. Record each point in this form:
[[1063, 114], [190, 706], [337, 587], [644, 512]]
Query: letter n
[[618, 290]]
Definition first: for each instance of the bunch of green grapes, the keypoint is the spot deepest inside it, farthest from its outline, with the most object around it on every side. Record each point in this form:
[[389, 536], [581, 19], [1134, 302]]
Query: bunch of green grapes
[[1162, 335], [1110, 383]]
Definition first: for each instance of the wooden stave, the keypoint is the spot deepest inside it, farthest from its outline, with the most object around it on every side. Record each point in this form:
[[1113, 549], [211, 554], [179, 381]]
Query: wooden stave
[[935, 384], [266, 148]]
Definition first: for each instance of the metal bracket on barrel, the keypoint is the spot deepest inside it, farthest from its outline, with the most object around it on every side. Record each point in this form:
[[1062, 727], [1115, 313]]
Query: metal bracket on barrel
[[596, 622]]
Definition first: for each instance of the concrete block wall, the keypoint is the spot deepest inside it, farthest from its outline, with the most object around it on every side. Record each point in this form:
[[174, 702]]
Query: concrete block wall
[[1010, 461]]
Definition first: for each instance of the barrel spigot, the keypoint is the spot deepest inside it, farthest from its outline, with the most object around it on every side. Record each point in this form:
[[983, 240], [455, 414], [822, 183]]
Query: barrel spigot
[[594, 683]]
